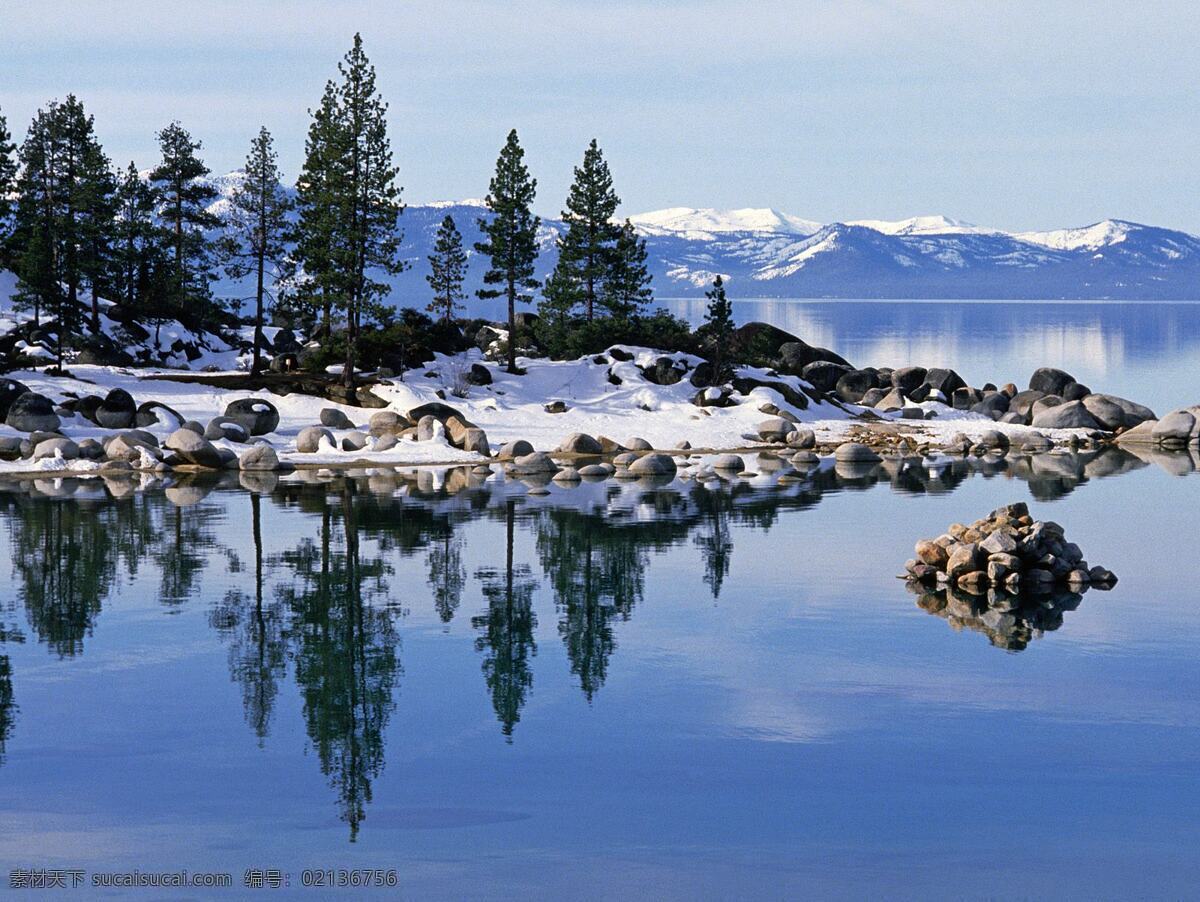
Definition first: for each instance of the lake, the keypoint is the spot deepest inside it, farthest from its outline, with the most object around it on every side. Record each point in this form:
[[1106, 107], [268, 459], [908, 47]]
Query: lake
[[622, 690], [615, 690]]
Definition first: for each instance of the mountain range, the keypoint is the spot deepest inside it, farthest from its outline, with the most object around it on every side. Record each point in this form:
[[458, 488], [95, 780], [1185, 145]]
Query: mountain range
[[764, 253]]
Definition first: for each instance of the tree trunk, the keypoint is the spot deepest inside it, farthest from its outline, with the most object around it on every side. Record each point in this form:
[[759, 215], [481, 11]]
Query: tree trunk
[[512, 325], [256, 365]]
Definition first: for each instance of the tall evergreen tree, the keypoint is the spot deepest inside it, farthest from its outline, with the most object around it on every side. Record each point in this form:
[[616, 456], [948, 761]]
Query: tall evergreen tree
[[8, 184], [627, 289], [137, 248], [718, 330], [184, 199], [585, 249], [448, 265], [64, 217], [510, 236], [259, 225]]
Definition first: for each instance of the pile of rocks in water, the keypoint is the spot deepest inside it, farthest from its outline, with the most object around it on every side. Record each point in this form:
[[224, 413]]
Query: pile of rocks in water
[[1006, 551]]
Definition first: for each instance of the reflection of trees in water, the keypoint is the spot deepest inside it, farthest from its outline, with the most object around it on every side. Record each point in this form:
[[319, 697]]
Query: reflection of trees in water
[[8, 707], [507, 630], [181, 552], [345, 654], [447, 575]]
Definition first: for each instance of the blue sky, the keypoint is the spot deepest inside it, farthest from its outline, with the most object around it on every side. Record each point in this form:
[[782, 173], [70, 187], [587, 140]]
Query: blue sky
[[1015, 115]]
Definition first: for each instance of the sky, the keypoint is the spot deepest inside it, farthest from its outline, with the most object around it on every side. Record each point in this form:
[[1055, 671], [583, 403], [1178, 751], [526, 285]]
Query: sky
[[1015, 115]]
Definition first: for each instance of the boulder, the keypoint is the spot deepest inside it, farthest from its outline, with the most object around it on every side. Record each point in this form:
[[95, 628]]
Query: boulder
[[893, 400], [10, 390], [194, 449], [638, 444], [854, 452], [56, 447], [823, 375], [156, 413], [429, 427], [1075, 392], [853, 385], [943, 380], [355, 441], [580, 443], [775, 429], [1046, 402], [32, 412], [197, 428], [1022, 402], [595, 471], [90, 449], [260, 456], [1102, 406], [531, 464], [479, 374], [385, 442], [908, 378], [118, 410], [258, 416], [225, 428], [653, 465], [729, 463], [1178, 426], [557, 406], [333, 418], [387, 421], [794, 356], [309, 439], [965, 397], [514, 449], [993, 440], [873, 396], [1069, 415], [1050, 381], [964, 558], [567, 474], [803, 438]]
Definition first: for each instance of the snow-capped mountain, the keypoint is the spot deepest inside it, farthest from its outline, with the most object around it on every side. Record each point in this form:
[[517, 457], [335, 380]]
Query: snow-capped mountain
[[762, 252]]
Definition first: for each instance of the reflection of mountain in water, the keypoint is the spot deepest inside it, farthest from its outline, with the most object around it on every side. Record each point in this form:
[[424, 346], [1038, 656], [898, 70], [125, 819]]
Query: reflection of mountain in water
[[1009, 621], [324, 612]]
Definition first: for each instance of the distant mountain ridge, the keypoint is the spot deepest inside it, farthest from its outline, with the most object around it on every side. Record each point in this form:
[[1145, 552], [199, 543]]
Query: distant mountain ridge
[[763, 252]]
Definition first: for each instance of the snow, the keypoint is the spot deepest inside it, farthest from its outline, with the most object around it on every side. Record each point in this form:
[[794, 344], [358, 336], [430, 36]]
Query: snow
[[702, 224], [922, 225], [1093, 237]]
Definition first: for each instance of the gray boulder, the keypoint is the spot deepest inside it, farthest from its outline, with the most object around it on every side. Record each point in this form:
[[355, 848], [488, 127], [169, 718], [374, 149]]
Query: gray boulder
[[385, 442], [90, 449], [853, 385], [194, 449], [580, 443], [823, 375], [355, 441], [1178, 426], [62, 447], [893, 400], [802, 437], [638, 444], [155, 413], [1132, 414], [387, 421], [118, 410], [225, 428], [908, 378], [10, 390], [1069, 415], [775, 429], [943, 380], [653, 465], [309, 439], [854, 452], [335, 419], [729, 463], [32, 412], [514, 449], [536, 462], [1022, 402], [258, 416], [259, 457], [1050, 380]]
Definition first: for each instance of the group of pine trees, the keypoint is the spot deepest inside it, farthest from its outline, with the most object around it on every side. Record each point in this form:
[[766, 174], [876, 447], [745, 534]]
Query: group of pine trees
[[75, 230]]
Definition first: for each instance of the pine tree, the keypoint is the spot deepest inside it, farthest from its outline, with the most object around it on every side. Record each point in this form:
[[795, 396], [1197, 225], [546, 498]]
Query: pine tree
[[627, 290], [64, 217], [184, 199], [718, 330], [8, 179], [137, 250], [315, 285], [258, 223], [585, 249], [510, 236], [448, 265]]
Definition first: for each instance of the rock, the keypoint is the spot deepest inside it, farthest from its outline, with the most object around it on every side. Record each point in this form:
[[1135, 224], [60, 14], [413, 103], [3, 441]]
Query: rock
[[729, 463], [1102, 578], [556, 407], [1104, 407], [197, 428], [309, 439], [10, 390], [258, 416], [999, 542], [567, 474], [803, 438], [1050, 381], [1022, 402], [595, 471], [479, 374], [624, 459], [908, 378], [151, 413], [964, 558], [943, 380], [1177, 426], [333, 418], [474, 439], [994, 439], [580, 443], [1069, 415], [823, 375], [913, 413], [993, 404], [932, 553], [537, 462], [639, 444], [128, 446], [385, 442], [874, 396], [32, 412], [1013, 418], [1034, 443], [117, 411], [515, 449], [387, 421], [893, 400], [653, 465], [61, 447], [685, 445], [355, 441], [610, 446], [853, 385], [429, 427], [793, 356], [229, 459], [775, 429], [964, 397], [260, 456], [665, 371], [195, 449], [1075, 392], [225, 428], [1141, 434], [854, 452]]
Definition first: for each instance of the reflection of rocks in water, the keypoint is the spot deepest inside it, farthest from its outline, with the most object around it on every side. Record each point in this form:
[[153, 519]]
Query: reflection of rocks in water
[[1009, 621]]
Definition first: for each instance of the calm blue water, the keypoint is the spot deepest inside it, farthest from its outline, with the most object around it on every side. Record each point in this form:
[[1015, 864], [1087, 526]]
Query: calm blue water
[[1148, 352], [612, 691]]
